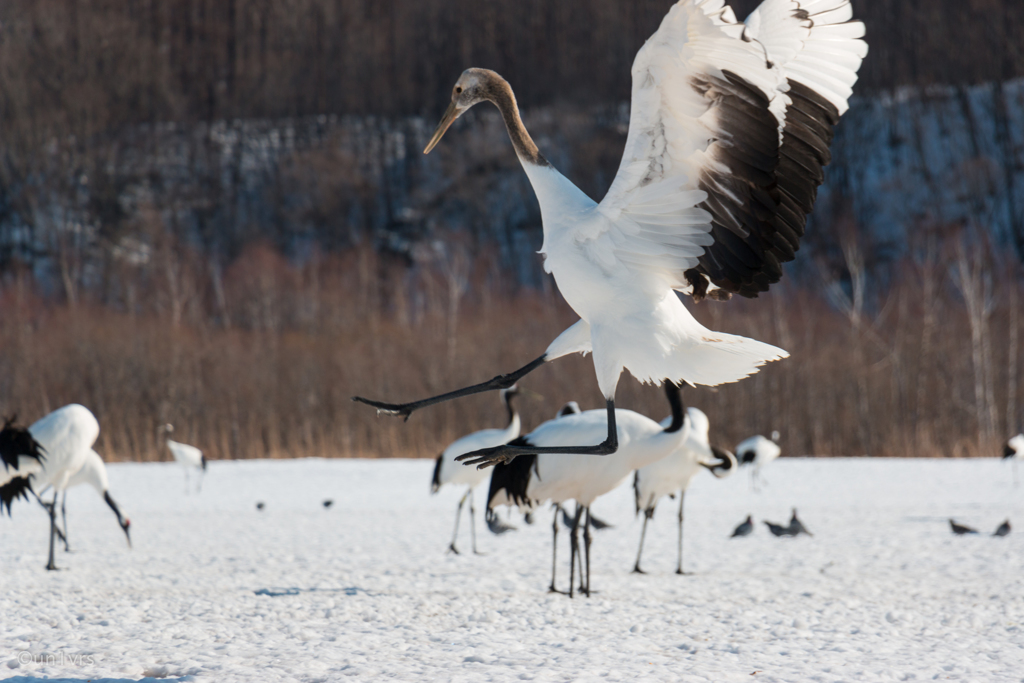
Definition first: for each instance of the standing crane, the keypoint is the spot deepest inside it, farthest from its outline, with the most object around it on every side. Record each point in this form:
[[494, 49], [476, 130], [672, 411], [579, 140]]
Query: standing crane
[[729, 132], [1013, 450], [551, 475], [447, 471], [66, 437], [189, 457], [758, 451], [674, 473]]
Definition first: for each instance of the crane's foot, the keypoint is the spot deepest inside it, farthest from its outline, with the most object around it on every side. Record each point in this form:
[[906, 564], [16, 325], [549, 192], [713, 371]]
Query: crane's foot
[[402, 410], [637, 570], [452, 549], [552, 589], [680, 572]]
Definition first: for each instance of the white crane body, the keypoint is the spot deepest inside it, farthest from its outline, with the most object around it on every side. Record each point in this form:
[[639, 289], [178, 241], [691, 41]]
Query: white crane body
[[674, 473], [530, 480], [66, 436], [448, 471]]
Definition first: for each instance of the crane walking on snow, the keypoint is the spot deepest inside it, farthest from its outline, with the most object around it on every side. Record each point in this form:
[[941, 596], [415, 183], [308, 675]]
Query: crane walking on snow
[[757, 451], [189, 457], [552, 475], [447, 471], [66, 437], [730, 126], [674, 473], [1013, 449]]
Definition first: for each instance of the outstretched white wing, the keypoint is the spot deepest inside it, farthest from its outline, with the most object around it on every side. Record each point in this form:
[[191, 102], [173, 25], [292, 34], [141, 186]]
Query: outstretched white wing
[[697, 196]]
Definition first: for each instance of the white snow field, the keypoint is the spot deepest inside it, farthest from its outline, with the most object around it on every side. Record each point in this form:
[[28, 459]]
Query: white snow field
[[216, 591]]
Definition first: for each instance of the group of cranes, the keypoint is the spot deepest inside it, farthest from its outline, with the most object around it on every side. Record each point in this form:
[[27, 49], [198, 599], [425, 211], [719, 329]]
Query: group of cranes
[[56, 452], [665, 456], [729, 132]]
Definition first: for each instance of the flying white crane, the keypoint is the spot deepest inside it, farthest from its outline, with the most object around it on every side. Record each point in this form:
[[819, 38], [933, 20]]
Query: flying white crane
[[189, 457], [447, 471], [94, 473], [66, 437], [729, 131], [674, 473], [532, 479], [758, 452]]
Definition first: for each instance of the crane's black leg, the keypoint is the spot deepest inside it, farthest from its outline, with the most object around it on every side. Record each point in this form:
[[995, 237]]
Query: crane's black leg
[[46, 506], [455, 534], [554, 549], [64, 519], [586, 546], [679, 564], [575, 549], [472, 522], [643, 533], [488, 457], [499, 382], [53, 530]]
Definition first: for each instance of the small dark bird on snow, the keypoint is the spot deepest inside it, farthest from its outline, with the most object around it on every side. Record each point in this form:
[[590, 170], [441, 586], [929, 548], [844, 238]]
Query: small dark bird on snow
[[259, 505], [779, 530], [328, 503], [744, 529], [1003, 530], [960, 529], [796, 526]]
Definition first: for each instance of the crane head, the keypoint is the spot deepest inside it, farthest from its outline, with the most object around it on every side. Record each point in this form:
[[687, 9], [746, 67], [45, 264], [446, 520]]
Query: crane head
[[474, 86]]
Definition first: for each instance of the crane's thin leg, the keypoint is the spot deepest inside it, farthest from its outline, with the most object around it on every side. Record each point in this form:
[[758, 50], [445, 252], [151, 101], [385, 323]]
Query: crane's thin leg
[[53, 530], [579, 552], [586, 545], [455, 534], [554, 548], [472, 522], [499, 382], [487, 457], [679, 564], [64, 519], [575, 549], [46, 506], [640, 550]]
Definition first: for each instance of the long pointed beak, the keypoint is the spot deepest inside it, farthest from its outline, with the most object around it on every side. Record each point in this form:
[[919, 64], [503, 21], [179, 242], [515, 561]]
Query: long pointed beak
[[449, 117]]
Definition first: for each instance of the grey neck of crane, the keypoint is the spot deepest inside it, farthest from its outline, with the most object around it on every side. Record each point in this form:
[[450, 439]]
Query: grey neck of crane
[[524, 145]]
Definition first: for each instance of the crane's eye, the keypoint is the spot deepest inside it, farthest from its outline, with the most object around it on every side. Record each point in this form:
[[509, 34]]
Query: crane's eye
[[458, 89]]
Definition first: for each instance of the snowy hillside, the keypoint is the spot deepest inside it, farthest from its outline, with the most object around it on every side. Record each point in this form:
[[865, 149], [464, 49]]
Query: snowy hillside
[[215, 590]]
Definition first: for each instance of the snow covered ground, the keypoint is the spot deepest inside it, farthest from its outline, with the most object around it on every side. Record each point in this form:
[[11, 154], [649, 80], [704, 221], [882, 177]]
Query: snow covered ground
[[216, 591]]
